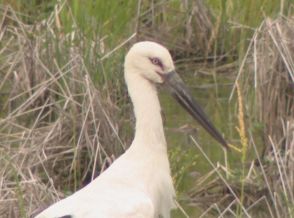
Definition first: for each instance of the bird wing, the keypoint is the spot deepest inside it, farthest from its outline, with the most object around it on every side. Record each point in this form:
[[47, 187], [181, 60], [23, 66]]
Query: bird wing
[[135, 206], [103, 198]]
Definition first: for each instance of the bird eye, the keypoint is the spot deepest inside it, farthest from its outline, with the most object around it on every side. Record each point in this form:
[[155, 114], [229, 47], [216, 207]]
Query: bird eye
[[156, 61]]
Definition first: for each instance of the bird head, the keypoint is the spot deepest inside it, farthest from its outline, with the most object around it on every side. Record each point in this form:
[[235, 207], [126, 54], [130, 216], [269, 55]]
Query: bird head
[[154, 63], [151, 60]]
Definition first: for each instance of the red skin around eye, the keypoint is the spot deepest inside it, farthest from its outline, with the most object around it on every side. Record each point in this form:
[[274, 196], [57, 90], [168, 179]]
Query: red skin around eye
[[159, 63]]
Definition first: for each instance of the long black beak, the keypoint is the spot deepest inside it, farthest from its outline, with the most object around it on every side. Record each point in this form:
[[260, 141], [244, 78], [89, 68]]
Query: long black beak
[[183, 96]]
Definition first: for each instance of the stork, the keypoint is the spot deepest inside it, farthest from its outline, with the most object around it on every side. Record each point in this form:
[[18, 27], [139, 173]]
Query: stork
[[138, 184]]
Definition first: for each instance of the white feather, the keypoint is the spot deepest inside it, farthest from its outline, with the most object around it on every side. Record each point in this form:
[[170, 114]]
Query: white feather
[[138, 184]]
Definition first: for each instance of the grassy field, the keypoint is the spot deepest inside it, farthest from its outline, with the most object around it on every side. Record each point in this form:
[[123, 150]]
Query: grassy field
[[65, 114]]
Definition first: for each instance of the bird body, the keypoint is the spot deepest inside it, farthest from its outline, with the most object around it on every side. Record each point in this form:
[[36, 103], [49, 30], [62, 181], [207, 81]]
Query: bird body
[[117, 192], [138, 184]]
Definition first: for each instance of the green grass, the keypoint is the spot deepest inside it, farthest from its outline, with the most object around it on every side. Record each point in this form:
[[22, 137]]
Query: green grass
[[238, 20]]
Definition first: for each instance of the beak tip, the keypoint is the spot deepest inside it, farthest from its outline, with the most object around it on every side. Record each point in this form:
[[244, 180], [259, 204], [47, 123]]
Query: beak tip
[[226, 146]]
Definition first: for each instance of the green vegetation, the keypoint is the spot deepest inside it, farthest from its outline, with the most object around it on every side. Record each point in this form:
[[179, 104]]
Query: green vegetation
[[65, 114]]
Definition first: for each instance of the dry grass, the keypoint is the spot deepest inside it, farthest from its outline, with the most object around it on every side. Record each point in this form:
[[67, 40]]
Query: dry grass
[[54, 123], [192, 25], [267, 188], [56, 127], [272, 77]]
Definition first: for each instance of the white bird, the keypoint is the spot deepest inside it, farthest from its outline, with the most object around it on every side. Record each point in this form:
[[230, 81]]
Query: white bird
[[139, 183]]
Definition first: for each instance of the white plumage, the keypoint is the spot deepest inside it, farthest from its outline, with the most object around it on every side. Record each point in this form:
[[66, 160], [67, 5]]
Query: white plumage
[[138, 184]]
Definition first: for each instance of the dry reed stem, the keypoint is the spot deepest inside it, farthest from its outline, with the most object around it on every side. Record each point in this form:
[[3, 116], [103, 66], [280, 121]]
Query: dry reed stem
[[56, 128], [272, 76], [268, 184], [196, 37]]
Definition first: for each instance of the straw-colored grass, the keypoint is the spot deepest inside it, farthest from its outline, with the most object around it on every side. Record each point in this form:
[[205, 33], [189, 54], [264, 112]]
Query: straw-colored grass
[[54, 124], [64, 112], [264, 186]]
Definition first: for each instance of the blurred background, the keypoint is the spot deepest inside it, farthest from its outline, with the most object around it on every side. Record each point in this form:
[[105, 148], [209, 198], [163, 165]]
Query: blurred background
[[65, 114]]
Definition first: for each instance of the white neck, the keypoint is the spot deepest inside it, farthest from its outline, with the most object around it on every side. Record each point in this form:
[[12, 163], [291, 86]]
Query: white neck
[[149, 128], [149, 143]]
